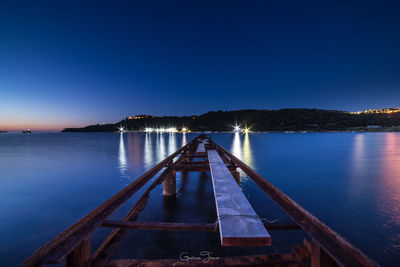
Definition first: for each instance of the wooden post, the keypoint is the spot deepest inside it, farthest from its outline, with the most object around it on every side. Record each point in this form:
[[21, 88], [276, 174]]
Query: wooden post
[[169, 185], [81, 255], [185, 158], [315, 254], [319, 258]]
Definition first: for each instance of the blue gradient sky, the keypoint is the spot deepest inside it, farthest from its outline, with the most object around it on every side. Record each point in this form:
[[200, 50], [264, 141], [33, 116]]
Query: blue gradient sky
[[65, 63]]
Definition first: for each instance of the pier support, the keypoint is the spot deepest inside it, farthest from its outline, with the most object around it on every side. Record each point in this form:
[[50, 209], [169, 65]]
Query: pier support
[[81, 255], [319, 258], [169, 184]]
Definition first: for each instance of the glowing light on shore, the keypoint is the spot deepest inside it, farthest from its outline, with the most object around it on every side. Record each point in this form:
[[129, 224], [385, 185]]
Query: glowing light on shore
[[121, 129], [246, 130], [237, 129], [166, 130], [162, 130], [378, 111]]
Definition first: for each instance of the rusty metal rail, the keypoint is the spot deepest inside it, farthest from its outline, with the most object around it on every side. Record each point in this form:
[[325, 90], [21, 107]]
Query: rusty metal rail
[[327, 247]]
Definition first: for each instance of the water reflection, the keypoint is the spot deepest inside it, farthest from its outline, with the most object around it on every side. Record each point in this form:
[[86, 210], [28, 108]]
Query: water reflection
[[184, 139], [247, 153], [183, 182], [161, 152], [390, 183], [123, 166], [242, 151], [358, 167], [236, 146], [359, 152], [148, 151], [172, 143]]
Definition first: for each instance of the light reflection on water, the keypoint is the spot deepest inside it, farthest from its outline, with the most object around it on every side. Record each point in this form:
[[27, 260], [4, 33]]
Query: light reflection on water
[[247, 152], [161, 151], [349, 180], [123, 166], [242, 151], [172, 147], [358, 169], [184, 142], [236, 147], [135, 150], [148, 151], [389, 187]]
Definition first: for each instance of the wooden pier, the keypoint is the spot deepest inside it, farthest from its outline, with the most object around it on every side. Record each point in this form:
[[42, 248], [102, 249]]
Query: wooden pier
[[237, 222]]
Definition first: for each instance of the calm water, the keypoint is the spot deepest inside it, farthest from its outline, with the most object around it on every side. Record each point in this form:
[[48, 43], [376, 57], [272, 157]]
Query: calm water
[[351, 181]]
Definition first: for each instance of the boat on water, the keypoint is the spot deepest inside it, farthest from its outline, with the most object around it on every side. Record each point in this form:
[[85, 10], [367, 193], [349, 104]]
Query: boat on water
[[27, 131], [237, 224]]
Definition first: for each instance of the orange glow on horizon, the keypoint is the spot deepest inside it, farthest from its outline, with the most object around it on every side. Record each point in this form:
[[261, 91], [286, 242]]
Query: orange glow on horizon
[[37, 126]]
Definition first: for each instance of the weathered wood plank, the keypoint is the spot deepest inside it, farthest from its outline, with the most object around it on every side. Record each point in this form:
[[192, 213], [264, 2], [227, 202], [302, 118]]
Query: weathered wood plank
[[239, 224], [162, 226], [201, 148], [208, 227], [81, 255]]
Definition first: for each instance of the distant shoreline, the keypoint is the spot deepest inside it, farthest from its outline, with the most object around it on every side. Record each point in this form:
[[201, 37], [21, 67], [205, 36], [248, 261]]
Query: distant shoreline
[[283, 120], [381, 130]]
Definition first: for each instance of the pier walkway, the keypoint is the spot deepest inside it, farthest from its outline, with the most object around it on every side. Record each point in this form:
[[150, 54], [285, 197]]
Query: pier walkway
[[237, 222]]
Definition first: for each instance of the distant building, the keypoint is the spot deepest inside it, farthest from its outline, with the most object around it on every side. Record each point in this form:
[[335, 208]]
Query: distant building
[[378, 111], [374, 126], [140, 117]]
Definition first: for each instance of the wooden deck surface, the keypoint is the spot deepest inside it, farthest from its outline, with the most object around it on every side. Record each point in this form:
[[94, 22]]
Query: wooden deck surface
[[201, 148], [239, 224]]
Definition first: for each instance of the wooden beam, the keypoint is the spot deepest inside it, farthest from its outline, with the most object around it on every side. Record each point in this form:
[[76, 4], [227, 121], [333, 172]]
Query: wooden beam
[[195, 168], [191, 163], [208, 227], [194, 155], [201, 148], [80, 255], [315, 255], [162, 226], [238, 223]]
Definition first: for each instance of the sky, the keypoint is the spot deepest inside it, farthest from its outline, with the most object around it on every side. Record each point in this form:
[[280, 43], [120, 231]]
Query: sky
[[74, 63]]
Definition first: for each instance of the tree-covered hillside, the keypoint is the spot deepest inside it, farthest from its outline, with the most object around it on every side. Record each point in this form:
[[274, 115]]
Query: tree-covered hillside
[[256, 120]]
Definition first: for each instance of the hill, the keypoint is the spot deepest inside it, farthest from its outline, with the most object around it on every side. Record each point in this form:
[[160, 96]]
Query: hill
[[258, 120]]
